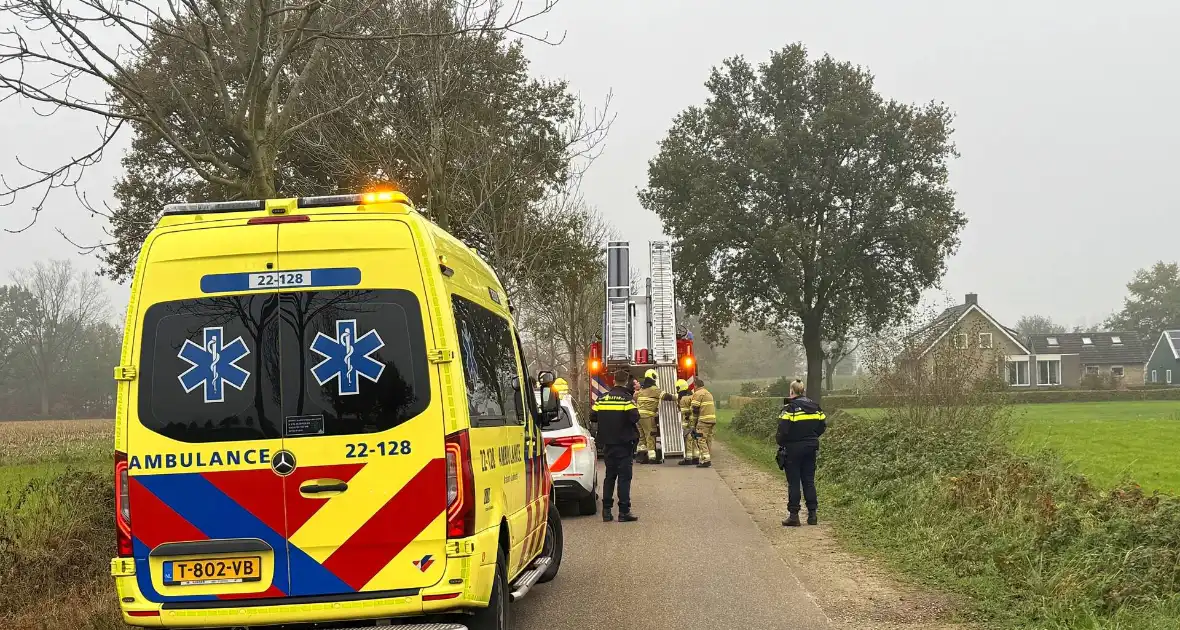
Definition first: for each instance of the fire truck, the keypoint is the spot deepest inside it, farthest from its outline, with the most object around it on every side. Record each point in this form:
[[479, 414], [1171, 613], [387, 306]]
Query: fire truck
[[668, 348]]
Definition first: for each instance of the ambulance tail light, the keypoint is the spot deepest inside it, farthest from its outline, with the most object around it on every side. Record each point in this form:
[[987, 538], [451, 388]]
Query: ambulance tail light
[[123, 506], [460, 487]]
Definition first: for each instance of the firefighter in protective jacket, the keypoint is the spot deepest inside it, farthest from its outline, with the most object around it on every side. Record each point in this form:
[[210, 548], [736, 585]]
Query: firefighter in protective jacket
[[704, 416], [692, 455], [648, 399]]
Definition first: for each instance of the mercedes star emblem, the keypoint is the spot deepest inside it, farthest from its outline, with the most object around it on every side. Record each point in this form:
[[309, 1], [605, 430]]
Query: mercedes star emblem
[[283, 463]]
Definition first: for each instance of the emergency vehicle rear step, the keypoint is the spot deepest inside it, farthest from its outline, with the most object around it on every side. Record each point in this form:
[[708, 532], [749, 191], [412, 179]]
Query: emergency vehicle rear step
[[529, 578], [414, 626]]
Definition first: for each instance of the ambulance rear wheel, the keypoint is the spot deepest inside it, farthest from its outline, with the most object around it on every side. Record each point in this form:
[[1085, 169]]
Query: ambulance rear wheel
[[554, 545], [498, 614]]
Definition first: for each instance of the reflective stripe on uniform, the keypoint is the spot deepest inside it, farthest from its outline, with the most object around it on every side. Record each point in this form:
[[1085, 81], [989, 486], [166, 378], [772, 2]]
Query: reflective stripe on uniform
[[613, 405], [797, 417]]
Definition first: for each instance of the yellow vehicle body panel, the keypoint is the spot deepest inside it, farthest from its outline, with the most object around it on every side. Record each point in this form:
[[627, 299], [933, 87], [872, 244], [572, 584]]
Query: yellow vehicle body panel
[[289, 382]]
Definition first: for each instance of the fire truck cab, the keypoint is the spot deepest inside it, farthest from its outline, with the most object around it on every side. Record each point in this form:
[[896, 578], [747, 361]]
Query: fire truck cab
[[668, 347]]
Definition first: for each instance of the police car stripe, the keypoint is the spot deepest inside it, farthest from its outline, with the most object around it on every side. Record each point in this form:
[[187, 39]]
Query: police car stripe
[[237, 282], [397, 524]]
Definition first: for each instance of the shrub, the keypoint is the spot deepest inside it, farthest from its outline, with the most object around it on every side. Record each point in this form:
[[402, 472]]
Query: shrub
[[749, 388], [758, 417], [56, 541], [944, 491], [780, 388]]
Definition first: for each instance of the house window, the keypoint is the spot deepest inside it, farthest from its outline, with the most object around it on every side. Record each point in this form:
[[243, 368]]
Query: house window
[[1017, 373], [985, 340], [961, 341], [1051, 340], [1116, 371], [1086, 341], [1116, 340], [1155, 377], [1049, 372], [1091, 369], [1168, 376]]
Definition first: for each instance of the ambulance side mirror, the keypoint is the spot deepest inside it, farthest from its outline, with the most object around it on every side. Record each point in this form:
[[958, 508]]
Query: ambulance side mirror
[[549, 402]]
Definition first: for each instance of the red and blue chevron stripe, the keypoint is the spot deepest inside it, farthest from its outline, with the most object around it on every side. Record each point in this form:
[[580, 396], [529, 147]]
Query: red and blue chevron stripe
[[258, 504]]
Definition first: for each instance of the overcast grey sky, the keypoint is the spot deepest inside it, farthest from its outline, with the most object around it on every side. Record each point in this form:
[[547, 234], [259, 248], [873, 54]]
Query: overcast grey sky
[[1065, 121]]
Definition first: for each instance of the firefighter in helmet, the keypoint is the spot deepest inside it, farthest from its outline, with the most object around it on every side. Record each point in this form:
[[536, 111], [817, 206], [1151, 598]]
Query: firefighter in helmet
[[648, 400], [704, 415], [561, 388], [691, 454]]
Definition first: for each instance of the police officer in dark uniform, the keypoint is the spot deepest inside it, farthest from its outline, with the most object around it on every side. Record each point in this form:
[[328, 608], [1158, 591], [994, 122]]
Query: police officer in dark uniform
[[799, 426], [617, 418]]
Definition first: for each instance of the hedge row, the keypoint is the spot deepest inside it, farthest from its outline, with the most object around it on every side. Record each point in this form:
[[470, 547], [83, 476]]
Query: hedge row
[[1026, 397]]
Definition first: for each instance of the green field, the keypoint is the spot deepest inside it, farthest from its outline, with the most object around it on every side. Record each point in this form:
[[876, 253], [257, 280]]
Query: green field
[[1109, 442]]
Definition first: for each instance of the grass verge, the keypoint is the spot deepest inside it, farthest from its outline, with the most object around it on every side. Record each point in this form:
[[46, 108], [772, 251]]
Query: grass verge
[[940, 495], [57, 507]]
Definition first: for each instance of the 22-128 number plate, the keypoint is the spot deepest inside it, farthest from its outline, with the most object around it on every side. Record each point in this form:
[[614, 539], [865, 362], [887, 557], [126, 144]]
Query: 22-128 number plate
[[221, 571]]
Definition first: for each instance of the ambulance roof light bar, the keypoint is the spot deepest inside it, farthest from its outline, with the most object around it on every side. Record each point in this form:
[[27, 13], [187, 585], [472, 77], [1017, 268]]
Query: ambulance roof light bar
[[214, 207], [322, 201]]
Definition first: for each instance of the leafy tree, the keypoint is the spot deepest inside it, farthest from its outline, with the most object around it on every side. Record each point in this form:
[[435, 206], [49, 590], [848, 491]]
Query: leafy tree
[[1152, 303], [456, 122], [17, 312], [1038, 325], [222, 87], [801, 201]]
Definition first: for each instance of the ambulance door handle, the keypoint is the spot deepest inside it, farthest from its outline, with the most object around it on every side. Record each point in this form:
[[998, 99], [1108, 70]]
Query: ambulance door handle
[[320, 487]]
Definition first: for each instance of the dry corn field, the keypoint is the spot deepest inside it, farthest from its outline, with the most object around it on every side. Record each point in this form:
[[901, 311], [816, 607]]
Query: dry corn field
[[37, 440]]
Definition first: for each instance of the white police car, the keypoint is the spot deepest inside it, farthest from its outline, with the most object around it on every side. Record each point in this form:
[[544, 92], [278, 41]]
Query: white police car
[[572, 457]]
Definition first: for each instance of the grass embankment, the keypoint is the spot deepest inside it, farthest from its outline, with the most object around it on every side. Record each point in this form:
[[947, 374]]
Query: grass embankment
[[56, 526], [942, 495]]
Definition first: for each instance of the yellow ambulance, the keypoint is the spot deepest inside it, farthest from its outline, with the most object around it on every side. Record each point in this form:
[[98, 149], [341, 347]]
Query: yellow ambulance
[[323, 419]]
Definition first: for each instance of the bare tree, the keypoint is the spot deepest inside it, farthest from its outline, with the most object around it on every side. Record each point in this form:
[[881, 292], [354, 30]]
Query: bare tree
[[567, 303], [221, 86], [835, 351], [68, 302]]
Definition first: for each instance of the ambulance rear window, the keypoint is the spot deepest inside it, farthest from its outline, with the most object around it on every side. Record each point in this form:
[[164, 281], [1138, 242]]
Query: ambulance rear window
[[209, 369], [294, 365]]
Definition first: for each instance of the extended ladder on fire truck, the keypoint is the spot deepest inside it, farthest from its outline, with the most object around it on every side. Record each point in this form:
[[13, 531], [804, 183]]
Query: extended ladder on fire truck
[[667, 352]]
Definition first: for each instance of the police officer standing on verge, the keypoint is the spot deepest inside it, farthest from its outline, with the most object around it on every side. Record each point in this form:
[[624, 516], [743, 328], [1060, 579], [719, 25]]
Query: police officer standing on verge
[[799, 427], [618, 433]]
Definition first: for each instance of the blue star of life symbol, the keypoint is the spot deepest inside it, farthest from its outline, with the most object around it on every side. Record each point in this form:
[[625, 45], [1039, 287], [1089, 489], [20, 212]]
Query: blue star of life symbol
[[213, 365], [347, 357]]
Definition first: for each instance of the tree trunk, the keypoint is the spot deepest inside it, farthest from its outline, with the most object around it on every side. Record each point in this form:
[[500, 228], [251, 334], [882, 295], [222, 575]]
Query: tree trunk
[[260, 181], [813, 345], [44, 400], [829, 373]]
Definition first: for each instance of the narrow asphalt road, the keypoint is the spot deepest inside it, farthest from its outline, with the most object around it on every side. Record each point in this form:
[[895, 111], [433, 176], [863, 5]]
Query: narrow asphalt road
[[694, 561]]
